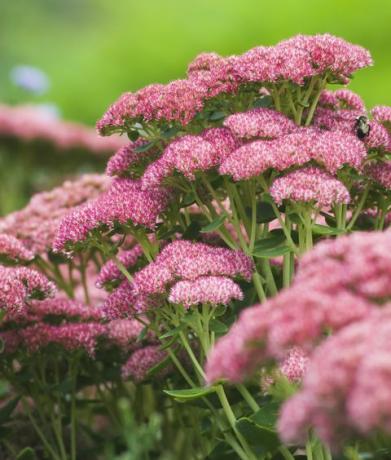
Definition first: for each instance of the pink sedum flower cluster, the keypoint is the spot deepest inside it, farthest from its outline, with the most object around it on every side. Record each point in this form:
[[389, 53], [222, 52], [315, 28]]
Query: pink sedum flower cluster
[[12, 248], [308, 185], [124, 202], [346, 388]]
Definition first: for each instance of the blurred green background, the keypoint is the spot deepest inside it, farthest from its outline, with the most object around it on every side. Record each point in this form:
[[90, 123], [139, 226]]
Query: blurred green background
[[93, 50]]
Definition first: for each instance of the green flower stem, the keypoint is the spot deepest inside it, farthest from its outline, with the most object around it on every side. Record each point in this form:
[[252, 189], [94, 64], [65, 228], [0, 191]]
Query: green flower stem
[[192, 356], [39, 432], [257, 280], [253, 231], [73, 373], [286, 453], [308, 450], [232, 421], [308, 231], [248, 397], [267, 271], [358, 209], [315, 101], [83, 276], [121, 267]]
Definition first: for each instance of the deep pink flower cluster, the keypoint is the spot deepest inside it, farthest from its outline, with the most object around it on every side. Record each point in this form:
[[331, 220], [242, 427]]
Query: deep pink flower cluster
[[178, 101], [296, 60], [188, 261], [347, 385], [110, 271], [20, 284], [126, 160], [12, 248], [190, 154], [380, 173], [125, 301], [142, 361], [342, 99], [262, 123], [36, 225], [29, 123], [331, 149], [124, 202], [309, 184], [339, 282]]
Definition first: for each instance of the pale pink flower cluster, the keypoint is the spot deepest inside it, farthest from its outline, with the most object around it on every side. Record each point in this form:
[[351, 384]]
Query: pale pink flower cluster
[[301, 57], [29, 123], [36, 224], [217, 290], [332, 150], [311, 185], [127, 160], [263, 123], [142, 361], [12, 248], [124, 202], [125, 301], [124, 332], [110, 271], [296, 59], [185, 260], [339, 282], [346, 389], [342, 99], [18, 285], [380, 173], [178, 101], [382, 114], [190, 154]]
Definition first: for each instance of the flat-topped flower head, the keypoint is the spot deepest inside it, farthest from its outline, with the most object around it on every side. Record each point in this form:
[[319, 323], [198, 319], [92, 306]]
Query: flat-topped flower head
[[213, 72], [378, 137], [327, 53], [380, 173], [110, 271], [214, 290], [260, 122], [223, 141], [382, 114], [310, 185], [186, 155], [13, 249], [341, 99], [21, 284], [124, 302], [188, 261], [128, 162], [142, 361], [124, 332], [70, 336], [359, 263], [125, 202], [113, 119], [346, 389], [36, 224]]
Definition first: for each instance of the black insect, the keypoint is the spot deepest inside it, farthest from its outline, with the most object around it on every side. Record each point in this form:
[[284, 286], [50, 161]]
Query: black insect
[[362, 127]]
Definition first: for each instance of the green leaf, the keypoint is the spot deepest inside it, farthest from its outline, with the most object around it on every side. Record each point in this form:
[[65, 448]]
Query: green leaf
[[272, 240], [216, 116], [144, 147], [170, 132], [191, 393], [26, 454], [218, 326], [172, 332], [7, 409], [133, 135], [265, 101], [265, 212], [324, 230], [142, 334], [267, 416], [272, 252], [215, 224], [261, 438]]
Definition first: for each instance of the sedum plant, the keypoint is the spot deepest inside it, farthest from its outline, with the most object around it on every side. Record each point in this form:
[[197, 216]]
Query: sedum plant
[[220, 287]]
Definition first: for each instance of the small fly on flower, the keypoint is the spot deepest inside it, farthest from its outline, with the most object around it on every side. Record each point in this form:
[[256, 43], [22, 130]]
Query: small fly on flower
[[362, 127]]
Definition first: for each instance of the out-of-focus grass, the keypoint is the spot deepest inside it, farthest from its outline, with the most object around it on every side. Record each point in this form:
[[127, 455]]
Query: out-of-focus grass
[[93, 50]]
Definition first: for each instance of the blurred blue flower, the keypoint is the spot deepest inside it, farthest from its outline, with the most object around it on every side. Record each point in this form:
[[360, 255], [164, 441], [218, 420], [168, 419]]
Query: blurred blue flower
[[30, 79]]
